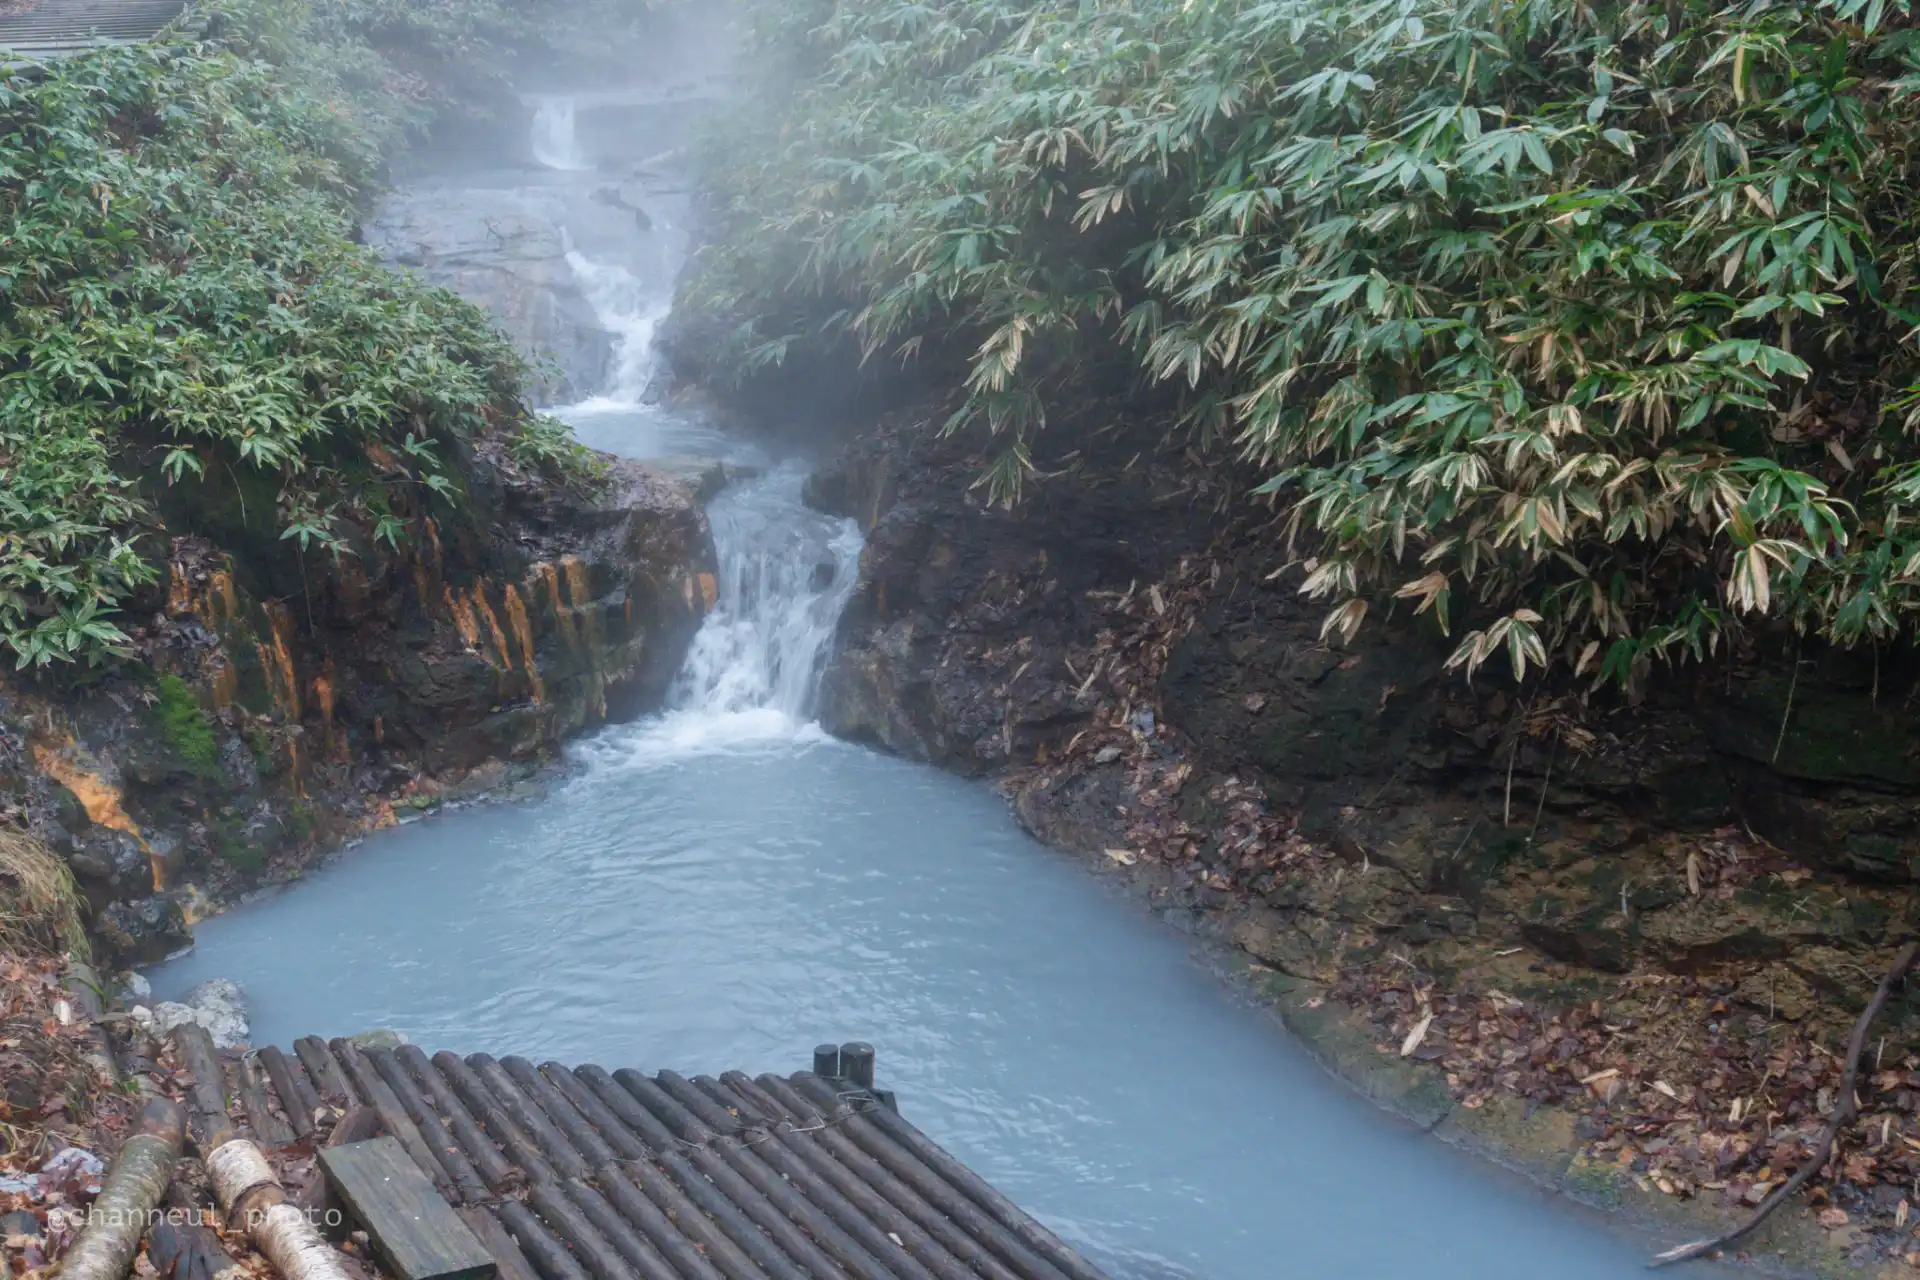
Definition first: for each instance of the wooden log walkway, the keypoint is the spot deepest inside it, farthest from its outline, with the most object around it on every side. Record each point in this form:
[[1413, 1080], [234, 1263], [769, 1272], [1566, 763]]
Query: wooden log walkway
[[577, 1173], [59, 28]]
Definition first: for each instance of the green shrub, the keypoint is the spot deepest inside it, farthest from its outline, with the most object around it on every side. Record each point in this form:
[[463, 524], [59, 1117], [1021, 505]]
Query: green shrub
[[1589, 327]]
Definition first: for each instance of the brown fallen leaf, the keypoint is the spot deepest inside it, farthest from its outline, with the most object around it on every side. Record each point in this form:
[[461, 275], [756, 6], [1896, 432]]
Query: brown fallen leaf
[[1415, 1036], [1833, 1218]]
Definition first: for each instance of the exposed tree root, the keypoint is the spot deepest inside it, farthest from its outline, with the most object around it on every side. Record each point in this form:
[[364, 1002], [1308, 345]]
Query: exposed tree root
[[1837, 1119]]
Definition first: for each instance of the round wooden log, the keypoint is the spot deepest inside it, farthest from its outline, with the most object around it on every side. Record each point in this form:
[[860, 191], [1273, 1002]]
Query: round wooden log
[[324, 1072], [602, 1117], [248, 1191], [710, 1113], [939, 1223], [826, 1060], [494, 1239], [460, 1171], [639, 1253], [856, 1063], [554, 1107], [297, 1097], [690, 1253], [473, 1091], [767, 1212], [369, 1085], [586, 1244], [499, 1175], [1024, 1228], [851, 1124], [136, 1181], [548, 1256], [266, 1123], [686, 1197], [553, 1144], [207, 1117], [641, 1121], [856, 1210], [185, 1251], [685, 1125]]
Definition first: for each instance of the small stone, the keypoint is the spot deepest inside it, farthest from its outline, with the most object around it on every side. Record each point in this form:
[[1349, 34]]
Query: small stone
[[142, 1017], [379, 1038], [133, 988], [1106, 755]]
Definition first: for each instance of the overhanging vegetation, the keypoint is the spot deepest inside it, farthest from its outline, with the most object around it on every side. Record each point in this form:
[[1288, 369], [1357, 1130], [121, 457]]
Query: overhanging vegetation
[[1587, 330], [181, 296]]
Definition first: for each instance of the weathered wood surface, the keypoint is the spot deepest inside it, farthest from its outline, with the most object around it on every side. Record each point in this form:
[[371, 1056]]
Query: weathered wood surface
[[415, 1234], [579, 1174]]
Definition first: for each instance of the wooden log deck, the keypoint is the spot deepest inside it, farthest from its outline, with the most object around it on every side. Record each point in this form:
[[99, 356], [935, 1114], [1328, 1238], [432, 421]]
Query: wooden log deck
[[59, 28], [577, 1173]]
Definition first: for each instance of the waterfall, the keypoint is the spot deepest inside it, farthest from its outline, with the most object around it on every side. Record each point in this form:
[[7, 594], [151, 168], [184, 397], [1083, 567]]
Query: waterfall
[[624, 311], [554, 144], [785, 571]]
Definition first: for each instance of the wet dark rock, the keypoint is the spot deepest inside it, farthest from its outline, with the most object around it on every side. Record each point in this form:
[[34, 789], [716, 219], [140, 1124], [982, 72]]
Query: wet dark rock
[[505, 252], [144, 930], [110, 859], [1605, 840]]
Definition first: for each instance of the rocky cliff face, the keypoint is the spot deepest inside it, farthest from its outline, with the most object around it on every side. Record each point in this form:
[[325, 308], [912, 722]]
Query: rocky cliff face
[[282, 706]]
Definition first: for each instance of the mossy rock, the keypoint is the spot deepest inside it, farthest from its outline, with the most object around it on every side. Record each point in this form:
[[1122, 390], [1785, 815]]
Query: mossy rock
[[184, 725]]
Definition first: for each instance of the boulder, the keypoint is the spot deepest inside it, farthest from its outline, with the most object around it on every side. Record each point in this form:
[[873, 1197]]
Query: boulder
[[143, 930], [216, 1004]]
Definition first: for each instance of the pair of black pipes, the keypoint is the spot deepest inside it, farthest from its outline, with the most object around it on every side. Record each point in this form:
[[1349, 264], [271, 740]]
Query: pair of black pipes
[[852, 1062]]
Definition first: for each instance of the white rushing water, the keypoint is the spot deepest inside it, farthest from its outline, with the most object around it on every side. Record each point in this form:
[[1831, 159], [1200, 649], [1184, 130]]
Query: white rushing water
[[721, 886], [631, 316], [555, 144]]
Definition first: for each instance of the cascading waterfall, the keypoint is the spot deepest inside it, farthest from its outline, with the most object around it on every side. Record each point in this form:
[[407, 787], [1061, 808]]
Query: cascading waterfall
[[785, 571], [632, 317], [554, 143]]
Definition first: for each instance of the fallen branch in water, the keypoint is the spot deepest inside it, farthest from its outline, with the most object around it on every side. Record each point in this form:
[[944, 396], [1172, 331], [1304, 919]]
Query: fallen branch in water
[[1837, 1119]]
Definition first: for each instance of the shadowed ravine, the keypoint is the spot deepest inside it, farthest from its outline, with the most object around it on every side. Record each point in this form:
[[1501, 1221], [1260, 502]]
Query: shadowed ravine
[[724, 886]]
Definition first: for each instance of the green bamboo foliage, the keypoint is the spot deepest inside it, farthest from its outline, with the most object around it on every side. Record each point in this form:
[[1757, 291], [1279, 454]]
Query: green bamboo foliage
[[1587, 329], [181, 299]]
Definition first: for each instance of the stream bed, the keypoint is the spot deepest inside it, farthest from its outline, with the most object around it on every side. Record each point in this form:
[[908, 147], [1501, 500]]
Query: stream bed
[[722, 886]]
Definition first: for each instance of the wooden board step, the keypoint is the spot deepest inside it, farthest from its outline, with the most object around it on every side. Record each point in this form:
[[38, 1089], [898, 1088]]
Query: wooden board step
[[413, 1230]]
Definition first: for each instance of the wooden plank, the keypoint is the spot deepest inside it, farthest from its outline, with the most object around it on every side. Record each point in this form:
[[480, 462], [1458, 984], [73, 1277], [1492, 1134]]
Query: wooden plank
[[414, 1233]]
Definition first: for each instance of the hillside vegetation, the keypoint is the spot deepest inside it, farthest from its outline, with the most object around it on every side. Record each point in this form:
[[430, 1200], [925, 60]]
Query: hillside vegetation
[[1585, 329], [181, 297]]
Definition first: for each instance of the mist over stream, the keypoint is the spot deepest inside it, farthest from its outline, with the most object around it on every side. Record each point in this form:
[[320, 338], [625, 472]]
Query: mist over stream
[[723, 886]]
